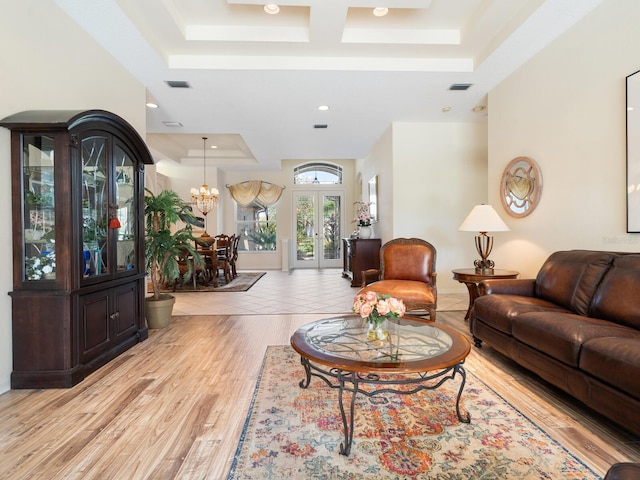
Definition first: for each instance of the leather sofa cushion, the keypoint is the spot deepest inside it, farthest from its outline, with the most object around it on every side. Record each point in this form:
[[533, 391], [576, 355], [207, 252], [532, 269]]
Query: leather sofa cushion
[[561, 335], [617, 296], [408, 262], [407, 290], [570, 278], [614, 360], [497, 311]]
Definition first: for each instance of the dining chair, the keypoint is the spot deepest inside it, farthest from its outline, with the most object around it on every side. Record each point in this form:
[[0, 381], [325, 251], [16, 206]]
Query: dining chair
[[205, 247], [188, 269], [223, 249], [234, 255]]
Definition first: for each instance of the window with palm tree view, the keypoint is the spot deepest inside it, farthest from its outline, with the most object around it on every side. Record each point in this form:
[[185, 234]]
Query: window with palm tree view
[[256, 226]]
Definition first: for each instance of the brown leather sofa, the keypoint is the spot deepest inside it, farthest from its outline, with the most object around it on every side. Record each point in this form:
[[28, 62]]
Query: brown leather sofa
[[576, 325], [623, 471]]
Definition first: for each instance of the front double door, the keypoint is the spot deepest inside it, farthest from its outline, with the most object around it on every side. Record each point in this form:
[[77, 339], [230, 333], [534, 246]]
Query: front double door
[[318, 228]]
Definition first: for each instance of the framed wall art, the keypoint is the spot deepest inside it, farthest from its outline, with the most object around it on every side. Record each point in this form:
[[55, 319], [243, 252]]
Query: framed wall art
[[633, 153], [521, 187], [373, 198]]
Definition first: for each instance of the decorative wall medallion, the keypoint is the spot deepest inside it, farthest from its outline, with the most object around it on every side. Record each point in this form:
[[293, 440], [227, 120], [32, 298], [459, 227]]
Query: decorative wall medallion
[[520, 187]]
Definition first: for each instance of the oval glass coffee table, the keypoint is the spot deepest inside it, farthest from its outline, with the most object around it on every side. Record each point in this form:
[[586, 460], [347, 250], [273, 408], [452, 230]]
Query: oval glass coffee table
[[416, 356]]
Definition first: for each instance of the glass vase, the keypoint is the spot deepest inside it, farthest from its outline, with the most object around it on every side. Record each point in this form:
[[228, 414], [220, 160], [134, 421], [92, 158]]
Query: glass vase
[[377, 333]]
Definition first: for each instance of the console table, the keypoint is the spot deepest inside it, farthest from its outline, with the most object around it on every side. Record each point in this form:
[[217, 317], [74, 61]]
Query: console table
[[360, 254]]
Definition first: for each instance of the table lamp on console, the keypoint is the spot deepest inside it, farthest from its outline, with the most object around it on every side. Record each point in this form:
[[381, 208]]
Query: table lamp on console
[[483, 219]]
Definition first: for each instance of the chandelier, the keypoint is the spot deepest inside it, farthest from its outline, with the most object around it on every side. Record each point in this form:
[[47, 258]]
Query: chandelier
[[203, 198]]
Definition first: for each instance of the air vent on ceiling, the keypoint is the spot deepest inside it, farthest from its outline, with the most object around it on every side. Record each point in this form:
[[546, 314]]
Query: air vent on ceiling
[[460, 86], [172, 124], [320, 125], [178, 84]]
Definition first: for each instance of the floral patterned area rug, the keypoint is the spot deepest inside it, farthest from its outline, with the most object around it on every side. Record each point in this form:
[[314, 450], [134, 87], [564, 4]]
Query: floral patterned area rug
[[295, 433]]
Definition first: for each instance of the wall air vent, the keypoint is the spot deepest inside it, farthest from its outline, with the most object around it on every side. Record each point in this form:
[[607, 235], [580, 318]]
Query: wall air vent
[[178, 84], [320, 125], [460, 86], [172, 124]]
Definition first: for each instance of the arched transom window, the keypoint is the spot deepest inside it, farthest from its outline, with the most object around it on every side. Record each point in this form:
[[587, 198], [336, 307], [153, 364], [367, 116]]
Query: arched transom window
[[317, 173]]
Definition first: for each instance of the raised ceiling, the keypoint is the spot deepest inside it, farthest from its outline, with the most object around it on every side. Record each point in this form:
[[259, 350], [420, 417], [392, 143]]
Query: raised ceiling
[[256, 80]]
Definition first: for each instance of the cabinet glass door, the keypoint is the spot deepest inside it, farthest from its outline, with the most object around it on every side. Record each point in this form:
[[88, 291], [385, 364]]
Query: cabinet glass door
[[39, 218], [123, 217], [95, 203]]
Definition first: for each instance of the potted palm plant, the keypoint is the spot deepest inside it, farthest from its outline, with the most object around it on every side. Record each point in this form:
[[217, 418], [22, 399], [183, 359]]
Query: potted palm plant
[[165, 246]]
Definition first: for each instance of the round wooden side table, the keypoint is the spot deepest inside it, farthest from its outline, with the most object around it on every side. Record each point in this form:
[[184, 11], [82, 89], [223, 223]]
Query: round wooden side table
[[471, 279]]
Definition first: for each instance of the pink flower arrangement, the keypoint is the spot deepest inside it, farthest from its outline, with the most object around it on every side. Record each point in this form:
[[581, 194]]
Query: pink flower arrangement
[[376, 307], [363, 216]]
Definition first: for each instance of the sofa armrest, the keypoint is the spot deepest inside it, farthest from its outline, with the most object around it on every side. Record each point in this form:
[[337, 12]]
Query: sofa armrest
[[623, 471], [524, 287]]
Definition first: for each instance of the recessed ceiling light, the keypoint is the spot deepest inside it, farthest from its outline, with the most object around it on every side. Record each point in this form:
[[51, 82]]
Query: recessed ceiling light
[[446, 109], [380, 11], [271, 8], [152, 105], [479, 108], [214, 146], [323, 107]]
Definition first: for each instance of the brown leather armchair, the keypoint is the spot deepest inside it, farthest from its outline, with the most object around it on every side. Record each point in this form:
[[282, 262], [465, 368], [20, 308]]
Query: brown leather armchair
[[407, 272]]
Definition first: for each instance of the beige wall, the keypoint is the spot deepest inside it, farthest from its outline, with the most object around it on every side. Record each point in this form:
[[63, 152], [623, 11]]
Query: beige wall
[[48, 62], [566, 109], [379, 162], [430, 175]]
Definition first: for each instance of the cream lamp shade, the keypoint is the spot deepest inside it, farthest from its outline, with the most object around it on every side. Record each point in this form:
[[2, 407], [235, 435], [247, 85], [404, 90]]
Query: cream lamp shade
[[483, 219]]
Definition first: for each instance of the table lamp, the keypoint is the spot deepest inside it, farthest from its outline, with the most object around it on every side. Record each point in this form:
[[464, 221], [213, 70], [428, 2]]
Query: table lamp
[[483, 219]]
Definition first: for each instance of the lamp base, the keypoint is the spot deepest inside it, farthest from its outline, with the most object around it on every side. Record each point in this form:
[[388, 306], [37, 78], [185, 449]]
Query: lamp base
[[484, 244], [484, 266]]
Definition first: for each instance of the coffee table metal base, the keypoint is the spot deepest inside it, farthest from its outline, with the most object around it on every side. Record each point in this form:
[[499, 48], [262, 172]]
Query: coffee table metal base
[[350, 382]]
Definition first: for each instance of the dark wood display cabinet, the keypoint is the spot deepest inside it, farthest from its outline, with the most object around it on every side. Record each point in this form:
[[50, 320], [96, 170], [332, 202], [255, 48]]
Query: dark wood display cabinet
[[77, 180], [360, 254]]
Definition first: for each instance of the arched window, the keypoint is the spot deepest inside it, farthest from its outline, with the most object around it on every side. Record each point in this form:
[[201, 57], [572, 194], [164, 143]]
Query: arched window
[[317, 173]]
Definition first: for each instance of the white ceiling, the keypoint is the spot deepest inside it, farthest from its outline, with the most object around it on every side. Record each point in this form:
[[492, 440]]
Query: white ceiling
[[256, 80]]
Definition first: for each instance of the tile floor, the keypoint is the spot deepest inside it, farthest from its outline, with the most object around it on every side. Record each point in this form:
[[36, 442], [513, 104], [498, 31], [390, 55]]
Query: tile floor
[[294, 292]]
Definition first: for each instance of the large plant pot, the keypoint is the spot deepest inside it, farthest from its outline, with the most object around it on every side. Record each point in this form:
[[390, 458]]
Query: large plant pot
[[158, 312]]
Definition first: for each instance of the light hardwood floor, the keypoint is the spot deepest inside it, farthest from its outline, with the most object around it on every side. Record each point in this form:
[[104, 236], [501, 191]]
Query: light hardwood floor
[[174, 406]]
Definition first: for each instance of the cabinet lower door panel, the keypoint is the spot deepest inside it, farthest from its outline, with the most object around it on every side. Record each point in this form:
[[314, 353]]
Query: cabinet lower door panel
[[94, 324], [125, 310]]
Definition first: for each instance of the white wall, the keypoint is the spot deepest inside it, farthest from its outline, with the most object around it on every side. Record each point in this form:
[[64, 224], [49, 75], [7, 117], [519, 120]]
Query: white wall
[[565, 108], [430, 175], [48, 62]]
